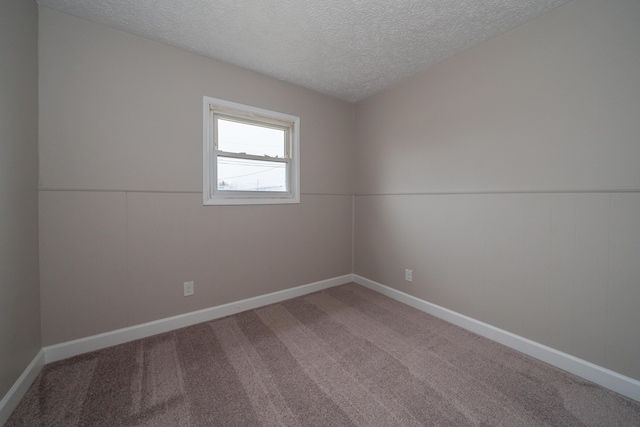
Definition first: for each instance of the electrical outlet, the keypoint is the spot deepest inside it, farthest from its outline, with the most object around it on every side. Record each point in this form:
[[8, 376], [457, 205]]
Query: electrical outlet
[[408, 275], [188, 288]]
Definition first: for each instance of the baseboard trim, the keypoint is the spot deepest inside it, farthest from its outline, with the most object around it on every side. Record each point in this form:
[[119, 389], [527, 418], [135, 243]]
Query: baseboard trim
[[20, 387], [612, 380], [68, 349]]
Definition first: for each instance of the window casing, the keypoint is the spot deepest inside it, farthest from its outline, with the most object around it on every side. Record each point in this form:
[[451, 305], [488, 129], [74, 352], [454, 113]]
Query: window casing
[[251, 155]]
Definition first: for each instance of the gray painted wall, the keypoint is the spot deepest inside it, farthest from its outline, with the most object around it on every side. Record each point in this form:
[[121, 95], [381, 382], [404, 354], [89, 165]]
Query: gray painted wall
[[498, 176], [19, 288], [122, 224]]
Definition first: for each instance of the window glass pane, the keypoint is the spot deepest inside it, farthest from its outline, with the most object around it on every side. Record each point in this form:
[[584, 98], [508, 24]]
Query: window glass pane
[[251, 175], [236, 137]]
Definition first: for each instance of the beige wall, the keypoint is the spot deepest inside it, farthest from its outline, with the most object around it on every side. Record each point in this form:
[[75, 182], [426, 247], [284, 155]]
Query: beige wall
[[121, 216], [499, 177], [505, 177], [19, 288]]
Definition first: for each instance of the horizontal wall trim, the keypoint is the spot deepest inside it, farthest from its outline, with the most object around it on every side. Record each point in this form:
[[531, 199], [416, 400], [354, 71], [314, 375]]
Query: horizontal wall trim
[[327, 194], [117, 190], [423, 193], [506, 191], [68, 349], [10, 401], [151, 190], [607, 378]]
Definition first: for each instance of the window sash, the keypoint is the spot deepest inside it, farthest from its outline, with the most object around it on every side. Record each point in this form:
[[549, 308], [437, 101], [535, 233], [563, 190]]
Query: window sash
[[264, 122], [253, 121], [262, 193]]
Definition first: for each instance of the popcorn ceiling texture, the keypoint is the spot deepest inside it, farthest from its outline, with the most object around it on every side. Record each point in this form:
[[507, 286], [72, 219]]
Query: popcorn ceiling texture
[[347, 49]]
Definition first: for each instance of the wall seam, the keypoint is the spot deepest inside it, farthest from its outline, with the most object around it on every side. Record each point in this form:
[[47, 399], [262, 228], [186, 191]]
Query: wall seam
[[353, 189], [608, 288], [130, 190]]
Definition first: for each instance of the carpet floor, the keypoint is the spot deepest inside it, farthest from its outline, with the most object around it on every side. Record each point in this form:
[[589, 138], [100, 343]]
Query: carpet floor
[[340, 357]]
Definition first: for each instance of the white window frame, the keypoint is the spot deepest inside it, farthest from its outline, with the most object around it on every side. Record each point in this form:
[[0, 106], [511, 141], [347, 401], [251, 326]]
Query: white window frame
[[213, 107]]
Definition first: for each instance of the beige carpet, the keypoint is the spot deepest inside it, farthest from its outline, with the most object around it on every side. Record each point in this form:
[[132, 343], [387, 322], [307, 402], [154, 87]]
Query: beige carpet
[[340, 357]]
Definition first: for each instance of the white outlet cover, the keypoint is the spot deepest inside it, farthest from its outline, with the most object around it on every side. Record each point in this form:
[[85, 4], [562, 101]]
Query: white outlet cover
[[408, 275], [188, 289]]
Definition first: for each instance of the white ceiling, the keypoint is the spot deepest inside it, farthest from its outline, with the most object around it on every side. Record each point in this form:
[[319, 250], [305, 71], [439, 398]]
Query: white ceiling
[[349, 49]]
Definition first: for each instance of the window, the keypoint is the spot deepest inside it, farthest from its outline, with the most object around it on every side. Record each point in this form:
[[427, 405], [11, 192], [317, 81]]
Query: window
[[251, 155]]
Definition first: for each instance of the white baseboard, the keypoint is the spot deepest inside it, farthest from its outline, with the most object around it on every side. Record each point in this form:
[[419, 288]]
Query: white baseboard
[[20, 387], [68, 349], [612, 380], [619, 383]]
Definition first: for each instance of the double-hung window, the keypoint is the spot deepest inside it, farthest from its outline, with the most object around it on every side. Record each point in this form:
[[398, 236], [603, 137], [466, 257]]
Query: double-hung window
[[251, 155]]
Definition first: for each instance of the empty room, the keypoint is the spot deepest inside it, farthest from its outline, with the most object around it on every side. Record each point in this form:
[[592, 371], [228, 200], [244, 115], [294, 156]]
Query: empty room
[[380, 213]]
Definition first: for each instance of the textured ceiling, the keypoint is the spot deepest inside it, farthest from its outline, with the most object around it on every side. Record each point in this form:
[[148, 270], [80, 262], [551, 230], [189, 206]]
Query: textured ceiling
[[349, 49]]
